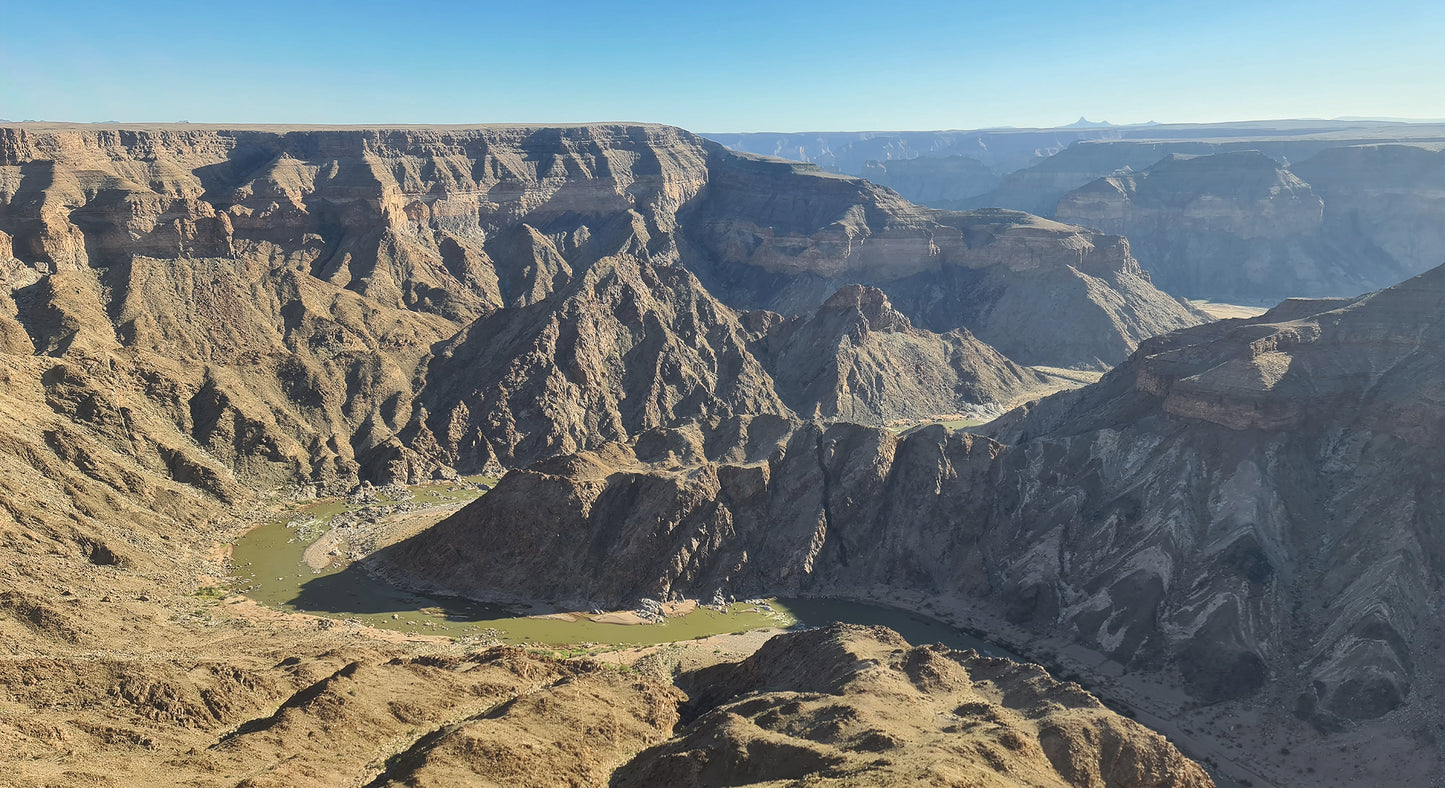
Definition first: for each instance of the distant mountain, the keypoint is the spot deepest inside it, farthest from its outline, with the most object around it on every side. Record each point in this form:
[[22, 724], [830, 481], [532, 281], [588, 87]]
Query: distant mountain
[[1240, 226], [1085, 123], [1095, 175]]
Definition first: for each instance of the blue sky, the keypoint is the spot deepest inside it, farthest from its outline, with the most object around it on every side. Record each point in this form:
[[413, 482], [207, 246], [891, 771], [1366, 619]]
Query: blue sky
[[740, 66]]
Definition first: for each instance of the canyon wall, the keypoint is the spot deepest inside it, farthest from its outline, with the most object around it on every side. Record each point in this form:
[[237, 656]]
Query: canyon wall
[[1247, 506]]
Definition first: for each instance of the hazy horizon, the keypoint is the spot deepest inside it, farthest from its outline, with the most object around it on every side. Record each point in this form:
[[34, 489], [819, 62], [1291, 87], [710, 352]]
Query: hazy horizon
[[706, 132]]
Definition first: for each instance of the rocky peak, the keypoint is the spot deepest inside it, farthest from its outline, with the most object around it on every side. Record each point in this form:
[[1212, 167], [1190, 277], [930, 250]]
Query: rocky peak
[[868, 305]]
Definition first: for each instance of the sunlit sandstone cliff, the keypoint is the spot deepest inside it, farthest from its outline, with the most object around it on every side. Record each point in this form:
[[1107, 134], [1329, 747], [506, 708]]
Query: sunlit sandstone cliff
[[296, 284]]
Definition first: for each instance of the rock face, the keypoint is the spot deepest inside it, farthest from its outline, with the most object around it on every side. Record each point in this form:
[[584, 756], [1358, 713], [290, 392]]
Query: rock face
[[1387, 201], [319, 306], [297, 280], [1245, 193], [987, 271], [858, 359], [1299, 442], [1248, 506], [1239, 226], [850, 705], [625, 348]]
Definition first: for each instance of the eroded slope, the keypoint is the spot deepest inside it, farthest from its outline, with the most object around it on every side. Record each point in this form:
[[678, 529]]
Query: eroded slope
[[1248, 507]]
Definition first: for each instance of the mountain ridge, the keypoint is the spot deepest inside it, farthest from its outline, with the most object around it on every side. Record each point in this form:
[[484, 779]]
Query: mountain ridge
[[1246, 508]]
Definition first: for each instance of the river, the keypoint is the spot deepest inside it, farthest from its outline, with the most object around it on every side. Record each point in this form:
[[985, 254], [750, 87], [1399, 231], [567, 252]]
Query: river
[[268, 567]]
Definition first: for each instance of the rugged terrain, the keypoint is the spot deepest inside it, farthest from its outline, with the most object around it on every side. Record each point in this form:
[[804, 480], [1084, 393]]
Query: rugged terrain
[[317, 306], [1242, 226], [1247, 212], [1246, 508], [199, 322], [857, 706], [1030, 169]]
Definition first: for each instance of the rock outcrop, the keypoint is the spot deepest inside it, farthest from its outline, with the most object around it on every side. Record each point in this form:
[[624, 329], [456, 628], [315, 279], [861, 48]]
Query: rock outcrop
[[850, 705], [858, 359], [624, 348]]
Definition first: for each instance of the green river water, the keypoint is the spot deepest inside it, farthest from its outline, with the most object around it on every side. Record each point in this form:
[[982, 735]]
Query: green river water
[[267, 567]]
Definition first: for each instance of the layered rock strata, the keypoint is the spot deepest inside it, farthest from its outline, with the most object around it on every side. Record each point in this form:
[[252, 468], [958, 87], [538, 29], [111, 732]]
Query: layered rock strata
[[1246, 505], [316, 306], [1241, 226]]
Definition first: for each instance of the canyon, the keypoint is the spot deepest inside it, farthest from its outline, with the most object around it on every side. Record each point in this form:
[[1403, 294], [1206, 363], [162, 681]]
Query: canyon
[[1236, 212], [684, 359], [1242, 509], [203, 325]]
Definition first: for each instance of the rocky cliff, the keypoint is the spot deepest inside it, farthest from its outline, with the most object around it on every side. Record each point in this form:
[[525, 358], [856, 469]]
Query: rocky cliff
[[1229, 225], [321, 305], [1384, 201], [1241, 226], [1247, 506], [1298, 443]]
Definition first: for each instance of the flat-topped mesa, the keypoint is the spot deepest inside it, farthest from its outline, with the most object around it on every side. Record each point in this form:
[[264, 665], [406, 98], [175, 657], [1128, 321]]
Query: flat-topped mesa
[[287, 284], [796, 219], [1227, 225], [1244, 193], [1227, 221], [784, 236], [401, 214]]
